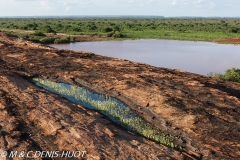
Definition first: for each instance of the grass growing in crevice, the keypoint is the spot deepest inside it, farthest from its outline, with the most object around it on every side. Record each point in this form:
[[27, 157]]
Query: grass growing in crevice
[[111, 107]]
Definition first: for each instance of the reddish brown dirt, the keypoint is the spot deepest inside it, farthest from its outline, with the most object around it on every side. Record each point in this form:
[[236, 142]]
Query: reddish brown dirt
[[202, 112], [231, 41]]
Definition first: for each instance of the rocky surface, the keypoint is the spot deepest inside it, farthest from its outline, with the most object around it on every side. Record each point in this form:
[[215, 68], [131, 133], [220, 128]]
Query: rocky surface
[[202, 112], [32, 119]]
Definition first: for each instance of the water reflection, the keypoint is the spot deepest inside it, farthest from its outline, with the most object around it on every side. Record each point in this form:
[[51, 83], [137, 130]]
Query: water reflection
[[196, 57]]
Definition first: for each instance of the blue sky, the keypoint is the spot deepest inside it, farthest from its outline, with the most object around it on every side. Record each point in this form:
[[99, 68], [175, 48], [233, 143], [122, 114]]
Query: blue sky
[[168, 8]]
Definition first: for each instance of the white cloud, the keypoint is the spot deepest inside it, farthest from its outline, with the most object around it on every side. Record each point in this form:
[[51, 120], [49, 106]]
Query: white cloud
[[151, 1], [212, 5], [46, 6], [131, 1], [142, 4], [198, 2], [68, 8], [174, 2]]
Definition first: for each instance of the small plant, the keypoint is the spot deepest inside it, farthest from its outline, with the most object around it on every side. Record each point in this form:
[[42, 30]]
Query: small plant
[[215, 75], [114, 109]]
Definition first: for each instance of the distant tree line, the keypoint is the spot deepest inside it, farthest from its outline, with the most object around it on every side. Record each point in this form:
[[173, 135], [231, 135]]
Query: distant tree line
[[164, 28], [104, 25]]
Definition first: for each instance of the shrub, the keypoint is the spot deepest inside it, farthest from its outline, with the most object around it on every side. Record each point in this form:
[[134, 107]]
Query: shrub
[[62, 40], [110, 34], [92, 27], [47, 40], [232, 74], [107, 29], [234, 30], [35, 39], [117, 28], [117, 35], [39, 33], [24, 28], [47, 29], [77, 29]]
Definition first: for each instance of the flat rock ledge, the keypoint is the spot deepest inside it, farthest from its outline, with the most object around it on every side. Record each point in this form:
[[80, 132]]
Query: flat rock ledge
[[203, 113]]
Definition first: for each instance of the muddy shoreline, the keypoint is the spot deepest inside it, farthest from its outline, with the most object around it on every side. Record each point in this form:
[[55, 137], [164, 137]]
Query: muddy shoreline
[[202, 112]]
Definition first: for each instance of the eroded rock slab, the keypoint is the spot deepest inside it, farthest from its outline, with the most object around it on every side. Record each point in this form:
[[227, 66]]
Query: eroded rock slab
[[202, 112], [32, 119]]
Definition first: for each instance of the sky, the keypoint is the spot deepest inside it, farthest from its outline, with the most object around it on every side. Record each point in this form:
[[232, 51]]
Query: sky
[[167, 8]]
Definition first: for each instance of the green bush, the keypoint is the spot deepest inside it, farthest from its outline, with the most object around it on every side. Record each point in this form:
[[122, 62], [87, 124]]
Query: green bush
[[234, 30], [39, 33], [117, 35], [107, 29], [35, 39], [47, 40], [47, 29], [62, 40], [232, 74], [110, 34], [117, 28]]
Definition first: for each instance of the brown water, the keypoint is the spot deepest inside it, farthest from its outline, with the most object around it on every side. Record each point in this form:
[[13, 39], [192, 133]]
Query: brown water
[[196, 57]]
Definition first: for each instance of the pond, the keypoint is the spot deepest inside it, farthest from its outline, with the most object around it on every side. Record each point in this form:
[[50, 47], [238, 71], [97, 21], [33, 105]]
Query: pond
[[110, 107], [190, 56]]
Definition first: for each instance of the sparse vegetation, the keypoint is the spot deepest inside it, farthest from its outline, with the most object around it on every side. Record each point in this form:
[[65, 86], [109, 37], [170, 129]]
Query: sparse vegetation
[[232, 74], [114, 109]]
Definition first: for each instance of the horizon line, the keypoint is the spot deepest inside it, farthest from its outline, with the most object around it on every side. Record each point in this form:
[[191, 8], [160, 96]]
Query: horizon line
[[117, 16]]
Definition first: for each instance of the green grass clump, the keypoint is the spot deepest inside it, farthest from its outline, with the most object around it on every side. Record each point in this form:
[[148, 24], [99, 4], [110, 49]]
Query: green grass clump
[[232, 74], [114, 109]]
